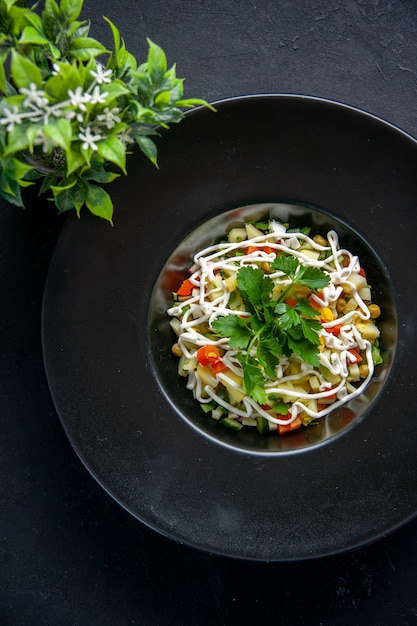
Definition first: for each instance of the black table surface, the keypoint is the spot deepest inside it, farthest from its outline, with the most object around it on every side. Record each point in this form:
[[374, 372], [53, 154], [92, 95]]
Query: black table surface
[[70, 556]]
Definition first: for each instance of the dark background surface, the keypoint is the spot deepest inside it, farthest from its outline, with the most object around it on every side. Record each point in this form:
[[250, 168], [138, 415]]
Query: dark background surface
[[71, 556]]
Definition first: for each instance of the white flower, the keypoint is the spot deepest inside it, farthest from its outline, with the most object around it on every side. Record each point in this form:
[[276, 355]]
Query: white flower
[[43, 140], [125, 136], [88, 138], [55, 69], [34, 96], [78, 98], [109, 117], [101, 75], [96, 97], [11, 118], [72, 114]]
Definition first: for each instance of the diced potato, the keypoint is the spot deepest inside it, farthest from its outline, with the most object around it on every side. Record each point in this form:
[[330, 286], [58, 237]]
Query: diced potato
[[314, 383], [327, 354], [186, 365], [304, 383], [248, 421], [368, 330], [365, 293], [311, 254], [175, 325], [230, 380], [351, 305], [354, 374], [312, 405], [236, 235], [231, 282], [288, 386], [332, 378], [217, 413], [206, 376], [236, 301], [252, 231], [298, 388], [216, 288], [358, 280], [295, 389]]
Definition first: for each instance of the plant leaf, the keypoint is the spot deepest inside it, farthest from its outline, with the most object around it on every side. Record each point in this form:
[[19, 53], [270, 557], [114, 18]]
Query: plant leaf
[[23, 71], [148, 148], [99, 202], [71, 9], [32, 36], [83, 48], [60, 132], [116, 35], [75, 157], [112, 149], [157, 62]]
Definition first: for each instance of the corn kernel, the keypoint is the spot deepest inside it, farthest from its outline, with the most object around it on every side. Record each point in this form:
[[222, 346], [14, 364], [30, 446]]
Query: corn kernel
[[326, 314]]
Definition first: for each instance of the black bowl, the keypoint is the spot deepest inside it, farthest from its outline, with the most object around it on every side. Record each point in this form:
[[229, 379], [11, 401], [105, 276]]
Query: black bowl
[[107, 347], [161, 334]]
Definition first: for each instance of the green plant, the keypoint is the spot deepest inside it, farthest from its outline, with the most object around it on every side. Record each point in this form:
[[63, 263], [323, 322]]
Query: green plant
[[71, 109]]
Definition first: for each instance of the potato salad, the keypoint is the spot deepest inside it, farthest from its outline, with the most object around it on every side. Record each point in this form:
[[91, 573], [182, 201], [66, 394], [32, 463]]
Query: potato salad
[[275, 328]]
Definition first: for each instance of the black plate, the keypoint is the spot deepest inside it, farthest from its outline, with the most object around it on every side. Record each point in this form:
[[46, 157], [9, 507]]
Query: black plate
[[111, 381]]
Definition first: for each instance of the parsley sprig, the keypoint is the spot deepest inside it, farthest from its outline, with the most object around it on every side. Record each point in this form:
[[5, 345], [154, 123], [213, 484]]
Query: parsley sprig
[[273, 328]]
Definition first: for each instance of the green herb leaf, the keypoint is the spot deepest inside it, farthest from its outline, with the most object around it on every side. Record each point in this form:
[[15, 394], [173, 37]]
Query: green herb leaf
[[281, 408], [312, 277], [287, 264], [254, 286], [305, 350], [309, 328], [304, 307], [267, 356], [288, 316], [254, 382], [235, 328]]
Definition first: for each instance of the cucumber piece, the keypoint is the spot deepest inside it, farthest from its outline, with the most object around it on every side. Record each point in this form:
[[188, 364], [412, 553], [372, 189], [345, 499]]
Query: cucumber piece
[[262, 425], [230, 423]]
